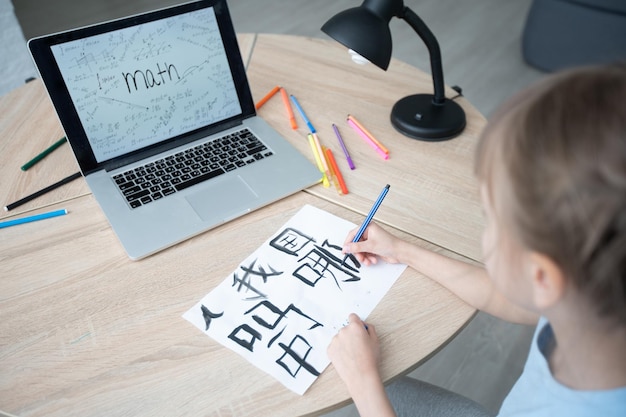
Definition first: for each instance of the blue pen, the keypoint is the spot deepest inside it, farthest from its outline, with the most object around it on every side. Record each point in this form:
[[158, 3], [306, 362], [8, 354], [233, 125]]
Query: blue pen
[[34, 218], [306, 119], [369, 218]]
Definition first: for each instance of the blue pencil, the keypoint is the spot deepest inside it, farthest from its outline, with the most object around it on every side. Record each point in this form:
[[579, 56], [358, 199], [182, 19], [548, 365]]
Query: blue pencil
[[306, 119], [369, 218], [34, 218]]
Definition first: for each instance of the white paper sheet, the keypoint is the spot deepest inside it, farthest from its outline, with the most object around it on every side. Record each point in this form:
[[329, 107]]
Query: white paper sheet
[[283, 304]]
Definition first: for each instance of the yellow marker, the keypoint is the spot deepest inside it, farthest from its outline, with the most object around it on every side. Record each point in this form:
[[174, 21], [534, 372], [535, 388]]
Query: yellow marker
[[318, 161], [320, 152]]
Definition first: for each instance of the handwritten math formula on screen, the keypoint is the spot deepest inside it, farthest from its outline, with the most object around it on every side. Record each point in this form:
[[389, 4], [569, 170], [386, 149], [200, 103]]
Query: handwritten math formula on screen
[[283, 304], [136, 86]]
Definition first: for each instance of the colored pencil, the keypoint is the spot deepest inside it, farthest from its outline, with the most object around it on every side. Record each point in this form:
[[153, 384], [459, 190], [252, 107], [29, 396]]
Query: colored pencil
[[42, 191], [43, 154], [34, 218], [368, 219]]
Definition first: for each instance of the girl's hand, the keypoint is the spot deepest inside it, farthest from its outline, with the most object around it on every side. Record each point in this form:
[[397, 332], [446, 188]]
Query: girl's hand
[[375, 243], [355, 354]]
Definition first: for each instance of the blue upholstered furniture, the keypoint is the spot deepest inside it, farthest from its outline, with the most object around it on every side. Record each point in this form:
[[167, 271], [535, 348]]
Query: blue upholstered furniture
[[565, 33]]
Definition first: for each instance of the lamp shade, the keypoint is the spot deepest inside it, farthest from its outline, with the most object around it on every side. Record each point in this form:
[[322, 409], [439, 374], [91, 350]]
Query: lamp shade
[[364, 32]]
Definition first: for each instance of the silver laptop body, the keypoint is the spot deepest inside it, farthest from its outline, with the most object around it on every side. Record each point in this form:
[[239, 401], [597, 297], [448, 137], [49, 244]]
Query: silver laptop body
[[151, 94]]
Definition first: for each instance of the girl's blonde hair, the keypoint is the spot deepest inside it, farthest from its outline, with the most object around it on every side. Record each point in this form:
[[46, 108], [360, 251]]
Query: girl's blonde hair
[[557, 155]]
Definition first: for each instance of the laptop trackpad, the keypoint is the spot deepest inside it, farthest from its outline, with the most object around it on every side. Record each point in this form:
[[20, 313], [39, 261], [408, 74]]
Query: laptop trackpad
[[223, 201]]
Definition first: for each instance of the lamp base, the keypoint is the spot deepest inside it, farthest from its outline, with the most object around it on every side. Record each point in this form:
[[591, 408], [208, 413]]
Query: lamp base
[[417, 117]]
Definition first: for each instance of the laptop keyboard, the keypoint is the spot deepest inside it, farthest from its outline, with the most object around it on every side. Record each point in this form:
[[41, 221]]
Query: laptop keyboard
[[173, 173]]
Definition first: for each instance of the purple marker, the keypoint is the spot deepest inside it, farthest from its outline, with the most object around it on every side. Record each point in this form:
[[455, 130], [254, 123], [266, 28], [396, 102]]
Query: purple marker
[[343, 146]]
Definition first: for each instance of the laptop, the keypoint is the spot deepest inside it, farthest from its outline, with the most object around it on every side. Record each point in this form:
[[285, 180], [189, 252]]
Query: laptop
[[158, 112]]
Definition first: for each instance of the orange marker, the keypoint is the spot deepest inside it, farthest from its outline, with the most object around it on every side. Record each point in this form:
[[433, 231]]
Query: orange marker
[[331, 172], [292, 118], [267, 97], [360, 126], [335, 170]]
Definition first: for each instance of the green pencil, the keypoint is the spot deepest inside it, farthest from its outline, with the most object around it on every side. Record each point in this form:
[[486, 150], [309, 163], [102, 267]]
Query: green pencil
[[45, 153]]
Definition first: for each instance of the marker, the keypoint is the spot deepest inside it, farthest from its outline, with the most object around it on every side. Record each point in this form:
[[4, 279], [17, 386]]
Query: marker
[[292, 118], [306, 119], [369, 218], [43, 154], [331, 172], [343, 147], [267, 97], [34, 218], [318, 160], [334, 169], [320, 152], [368, 140], [42, 191], [367, 132]]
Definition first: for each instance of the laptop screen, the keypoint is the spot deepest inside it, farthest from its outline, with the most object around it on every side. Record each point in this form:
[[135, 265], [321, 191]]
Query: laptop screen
[[132, 87], [137, 86]]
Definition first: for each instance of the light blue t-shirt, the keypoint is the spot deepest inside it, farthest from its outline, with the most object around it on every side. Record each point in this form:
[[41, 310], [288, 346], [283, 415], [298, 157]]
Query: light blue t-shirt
[[538, 394]]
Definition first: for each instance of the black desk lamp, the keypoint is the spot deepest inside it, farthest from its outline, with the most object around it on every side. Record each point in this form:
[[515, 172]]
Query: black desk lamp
[[365, 30]]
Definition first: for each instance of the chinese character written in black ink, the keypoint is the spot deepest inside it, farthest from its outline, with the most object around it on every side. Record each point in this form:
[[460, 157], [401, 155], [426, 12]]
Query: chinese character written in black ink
[[321, 262], [291, 241], [245, 336], [208, 316], [244, 283], [268, 316], [295, 356]]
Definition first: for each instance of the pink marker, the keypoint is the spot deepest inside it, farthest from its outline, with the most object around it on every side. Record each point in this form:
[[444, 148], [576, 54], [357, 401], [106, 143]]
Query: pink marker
[[368, 140]]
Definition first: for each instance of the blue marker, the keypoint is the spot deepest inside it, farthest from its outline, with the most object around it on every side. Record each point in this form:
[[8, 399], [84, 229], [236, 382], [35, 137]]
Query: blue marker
[[369, 218], [34, 218], [306, 119]]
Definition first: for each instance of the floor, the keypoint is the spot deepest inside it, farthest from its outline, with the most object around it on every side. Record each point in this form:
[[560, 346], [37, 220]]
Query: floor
[[480, 44]]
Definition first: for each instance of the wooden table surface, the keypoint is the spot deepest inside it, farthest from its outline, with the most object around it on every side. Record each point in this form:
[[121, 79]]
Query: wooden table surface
[[85, 331], [433, 194]]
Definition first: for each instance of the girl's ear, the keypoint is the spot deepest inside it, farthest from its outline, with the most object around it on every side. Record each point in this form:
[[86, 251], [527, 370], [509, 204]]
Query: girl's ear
[[547, 280]]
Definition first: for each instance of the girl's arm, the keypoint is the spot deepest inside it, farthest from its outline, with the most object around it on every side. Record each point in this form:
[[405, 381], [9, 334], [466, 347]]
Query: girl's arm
[[470, 283]]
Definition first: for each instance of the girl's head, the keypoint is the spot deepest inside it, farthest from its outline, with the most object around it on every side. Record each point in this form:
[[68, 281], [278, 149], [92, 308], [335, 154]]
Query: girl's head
[[553, 162]]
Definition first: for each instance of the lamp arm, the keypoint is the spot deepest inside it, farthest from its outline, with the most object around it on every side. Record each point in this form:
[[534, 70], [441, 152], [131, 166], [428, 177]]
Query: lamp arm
[[433, 48]]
